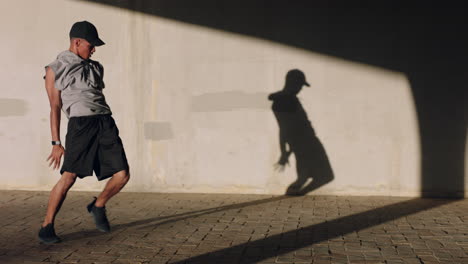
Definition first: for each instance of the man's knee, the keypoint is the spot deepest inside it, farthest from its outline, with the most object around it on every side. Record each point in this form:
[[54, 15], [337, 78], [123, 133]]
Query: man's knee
[[69, 178], [123, 176]]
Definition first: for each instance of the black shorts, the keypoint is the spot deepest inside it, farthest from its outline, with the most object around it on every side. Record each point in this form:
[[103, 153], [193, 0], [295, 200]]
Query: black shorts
[[93, 143]]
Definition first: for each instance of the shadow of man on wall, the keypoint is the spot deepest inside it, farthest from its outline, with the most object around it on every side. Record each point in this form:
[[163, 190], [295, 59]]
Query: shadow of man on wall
[[296, 135]]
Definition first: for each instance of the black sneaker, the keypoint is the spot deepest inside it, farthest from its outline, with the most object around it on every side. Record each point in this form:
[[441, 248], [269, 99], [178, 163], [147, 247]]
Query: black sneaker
[[99, 216], [47, 234]]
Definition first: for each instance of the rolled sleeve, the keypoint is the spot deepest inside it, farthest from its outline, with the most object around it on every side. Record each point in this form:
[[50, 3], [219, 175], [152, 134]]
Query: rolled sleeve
[[58, 68]]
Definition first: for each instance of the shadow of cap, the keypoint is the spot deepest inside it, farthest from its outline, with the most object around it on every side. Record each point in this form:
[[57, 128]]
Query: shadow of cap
[[296, 76]]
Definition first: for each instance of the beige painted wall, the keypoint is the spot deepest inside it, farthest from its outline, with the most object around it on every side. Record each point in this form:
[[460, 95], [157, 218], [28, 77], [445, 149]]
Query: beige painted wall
[[191, 104]]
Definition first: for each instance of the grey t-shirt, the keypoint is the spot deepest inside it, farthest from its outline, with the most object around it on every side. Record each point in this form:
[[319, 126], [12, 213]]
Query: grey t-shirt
[[80, 82]]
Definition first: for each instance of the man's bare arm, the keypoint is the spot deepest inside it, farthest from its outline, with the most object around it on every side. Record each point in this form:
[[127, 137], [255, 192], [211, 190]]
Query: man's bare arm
[[55, 115]]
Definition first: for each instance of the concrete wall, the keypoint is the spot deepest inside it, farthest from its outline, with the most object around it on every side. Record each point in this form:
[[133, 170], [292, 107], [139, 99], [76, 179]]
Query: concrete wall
[[191, 105]]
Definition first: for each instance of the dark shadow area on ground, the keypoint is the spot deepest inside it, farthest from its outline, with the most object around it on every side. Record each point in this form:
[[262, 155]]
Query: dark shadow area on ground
[[293, 240], [298, 137], [426, 41], [150, 222]]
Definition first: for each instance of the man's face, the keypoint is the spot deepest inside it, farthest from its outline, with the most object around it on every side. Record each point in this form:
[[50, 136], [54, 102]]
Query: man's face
[[84, 49]]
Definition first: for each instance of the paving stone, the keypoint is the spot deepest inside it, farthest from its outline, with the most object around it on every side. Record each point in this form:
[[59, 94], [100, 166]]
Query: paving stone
[[232, 228]]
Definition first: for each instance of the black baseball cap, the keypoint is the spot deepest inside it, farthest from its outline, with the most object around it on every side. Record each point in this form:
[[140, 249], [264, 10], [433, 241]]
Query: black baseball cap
[[86, 30]]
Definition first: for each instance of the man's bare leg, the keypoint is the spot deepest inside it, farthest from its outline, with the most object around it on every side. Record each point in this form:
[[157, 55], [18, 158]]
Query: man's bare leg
[[57, 196], [113, 186]]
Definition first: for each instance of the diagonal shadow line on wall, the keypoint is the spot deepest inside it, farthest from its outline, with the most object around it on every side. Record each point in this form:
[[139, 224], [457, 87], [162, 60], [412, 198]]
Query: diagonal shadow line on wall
[[317, 233], [172, 218]]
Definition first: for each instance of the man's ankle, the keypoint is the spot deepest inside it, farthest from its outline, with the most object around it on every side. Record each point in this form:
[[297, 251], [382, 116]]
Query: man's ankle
[[99, 203], [45, 223]]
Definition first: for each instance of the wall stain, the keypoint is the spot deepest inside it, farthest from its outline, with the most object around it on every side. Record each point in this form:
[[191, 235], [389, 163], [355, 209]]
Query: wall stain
[[13, 107], [158, 131], [228, 101]]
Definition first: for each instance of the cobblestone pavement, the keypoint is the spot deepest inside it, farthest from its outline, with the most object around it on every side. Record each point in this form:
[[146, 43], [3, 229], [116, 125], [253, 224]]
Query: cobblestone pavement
[[226, 228]]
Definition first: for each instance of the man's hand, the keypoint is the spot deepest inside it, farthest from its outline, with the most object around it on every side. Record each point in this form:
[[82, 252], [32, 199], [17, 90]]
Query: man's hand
[[55, 156]]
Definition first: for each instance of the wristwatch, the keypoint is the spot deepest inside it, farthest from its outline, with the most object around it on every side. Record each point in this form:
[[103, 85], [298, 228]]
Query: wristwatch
[[56, 143]]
